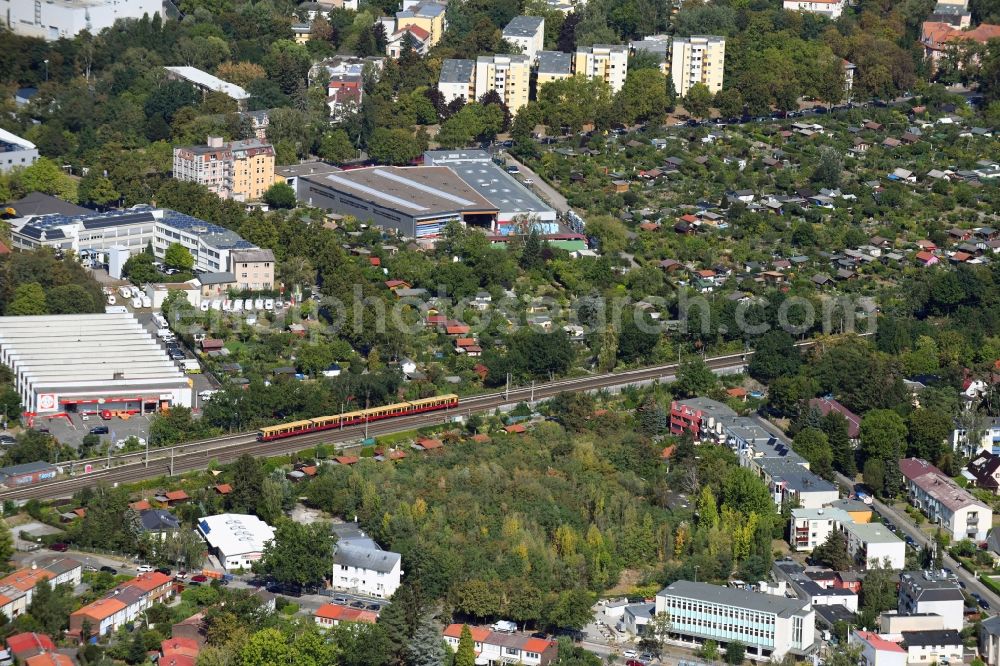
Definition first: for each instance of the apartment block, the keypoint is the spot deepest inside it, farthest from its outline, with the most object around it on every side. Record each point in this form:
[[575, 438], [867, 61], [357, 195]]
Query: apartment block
[[528, 33], [17, 588], [872, 544], [553, 66], [428, 16], [361, 566], [252, 269], [657, 46], [697, 59], [769, 626], [499, 647], [701, 417], [944, 502], [238, 170], [607, 62], [933, 592], [457, 80], [509, 75], [811, 528]]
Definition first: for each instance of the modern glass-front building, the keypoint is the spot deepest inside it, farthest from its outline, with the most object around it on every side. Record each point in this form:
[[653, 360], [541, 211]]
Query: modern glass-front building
[[769, 626]]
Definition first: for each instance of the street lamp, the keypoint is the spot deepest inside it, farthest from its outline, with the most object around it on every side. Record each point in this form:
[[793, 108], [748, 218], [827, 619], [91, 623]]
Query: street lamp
[[46, 61]]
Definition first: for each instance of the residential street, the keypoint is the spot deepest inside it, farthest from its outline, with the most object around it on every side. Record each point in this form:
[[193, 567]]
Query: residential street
[[905, 525]]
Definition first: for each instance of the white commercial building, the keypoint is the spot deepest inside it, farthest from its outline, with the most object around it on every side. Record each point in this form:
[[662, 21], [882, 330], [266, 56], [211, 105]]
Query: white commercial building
[[238, 540], [89, 362], [769, 626], [698, 59], [208, 243], [944, 502], [457, 80], [812, 527], [527, 33], [832, 9], [872, 544], [57, 19], [361, 566], [932, 592], [15, 151]]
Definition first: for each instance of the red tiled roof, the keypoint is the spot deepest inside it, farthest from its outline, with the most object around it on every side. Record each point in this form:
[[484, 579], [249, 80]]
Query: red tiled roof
[[878, 642], [414, 30], [141, 505], [224, 488], [396, 455], [479, 439], [456, 329], [738, 392], [346, 460], [516, 428], [148, 582], [479, 634], [375, 261], [179, 646], [538, 645], [29, 643], [178, 660], [392, 284], [827, 405], [429, 444], [668, 452], [465, 342], [309, 470], [925, 256], [177, 495], [49, 659], [100, 609], [345, 614]]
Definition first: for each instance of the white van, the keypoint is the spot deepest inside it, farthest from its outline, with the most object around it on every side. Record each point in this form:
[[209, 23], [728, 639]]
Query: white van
[[111, 299], [269, 304], [204, 306], [164, 334], [136, 292], [258, 304], [125, 292], [227, 305], [137, 302], [147, 302], [248, 305], [161, 321], [237, 305]]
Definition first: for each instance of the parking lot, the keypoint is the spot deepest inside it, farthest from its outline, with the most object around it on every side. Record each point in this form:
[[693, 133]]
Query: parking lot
[[72, 429]]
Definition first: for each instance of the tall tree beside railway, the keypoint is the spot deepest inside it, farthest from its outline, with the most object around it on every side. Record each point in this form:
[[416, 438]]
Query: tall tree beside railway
[[247, 481]]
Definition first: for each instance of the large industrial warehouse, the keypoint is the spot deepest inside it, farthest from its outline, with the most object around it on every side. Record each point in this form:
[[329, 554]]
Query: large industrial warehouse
[[89, 362]]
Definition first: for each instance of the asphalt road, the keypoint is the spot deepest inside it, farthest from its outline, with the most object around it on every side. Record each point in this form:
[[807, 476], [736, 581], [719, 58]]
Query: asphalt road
[[906, 526], [547, 192]]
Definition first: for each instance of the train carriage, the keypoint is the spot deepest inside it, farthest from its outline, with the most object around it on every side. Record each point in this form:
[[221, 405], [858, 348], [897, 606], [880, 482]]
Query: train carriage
[[358, 416]]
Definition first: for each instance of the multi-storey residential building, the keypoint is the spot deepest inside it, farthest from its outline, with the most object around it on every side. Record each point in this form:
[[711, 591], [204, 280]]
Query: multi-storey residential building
[[700, 417], [791, 483], [428, 16], [986, 439], [932, 592], [528, 33], [933, 647], [121, 605], [958, 513], [344, 94], [827, 405], [360, 565], [17, 588], [252, 269], [15, 151], [508, 75], [410, 35], [769, 626], [831, 9], [497, 648], [239, 170], [812, 527], [872, 544], [656, 45], [989, 640], [553, 66], [457, 80], [58, 19], [937, 38], [697, 59], [607, 62]]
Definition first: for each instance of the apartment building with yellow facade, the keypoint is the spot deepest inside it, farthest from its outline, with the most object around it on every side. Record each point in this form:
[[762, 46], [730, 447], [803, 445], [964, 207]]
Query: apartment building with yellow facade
[[553, 66], [608, 62], [508, 75], [697, 59], [429, 16], [238, 170]]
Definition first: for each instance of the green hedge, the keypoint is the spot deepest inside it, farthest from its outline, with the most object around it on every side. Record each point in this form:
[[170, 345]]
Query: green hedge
[[990, 583]]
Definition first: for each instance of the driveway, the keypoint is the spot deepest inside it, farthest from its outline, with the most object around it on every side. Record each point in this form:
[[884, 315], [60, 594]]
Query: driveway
[[543, 189]]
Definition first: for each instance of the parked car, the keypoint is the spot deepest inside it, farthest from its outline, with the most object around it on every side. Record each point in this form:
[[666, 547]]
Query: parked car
[[144, 568], [199, 578], [630, 654], [985, 605], [59, 547], [110, 570], [164, 570]]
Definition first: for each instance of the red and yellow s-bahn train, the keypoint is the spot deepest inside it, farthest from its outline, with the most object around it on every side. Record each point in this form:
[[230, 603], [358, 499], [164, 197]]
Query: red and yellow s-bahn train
[[359, 416]]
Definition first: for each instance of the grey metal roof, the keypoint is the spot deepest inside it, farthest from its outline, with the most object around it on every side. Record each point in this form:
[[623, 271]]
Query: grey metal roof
[[555, 62], [365, 558], [36, 203], [255, 255], [158, 520], [523, 26], [216, 278], [992, 625], [764, 603], [454, 70], [709, 406], [932, 637], [26, 468], [478, 171]]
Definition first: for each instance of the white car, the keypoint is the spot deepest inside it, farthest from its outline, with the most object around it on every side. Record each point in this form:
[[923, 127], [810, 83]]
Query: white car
[[111, 299], [126, 292], [85, 417], [258, 304], [227, 305], [269, 304], [248, 305], [144, 568], [204, 306], [136, 302], [136, 292], [237, 305], [629, 654], [147, 302]]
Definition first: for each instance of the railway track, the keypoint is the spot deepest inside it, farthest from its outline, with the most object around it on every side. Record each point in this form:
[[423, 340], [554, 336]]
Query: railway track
[[175, 460]]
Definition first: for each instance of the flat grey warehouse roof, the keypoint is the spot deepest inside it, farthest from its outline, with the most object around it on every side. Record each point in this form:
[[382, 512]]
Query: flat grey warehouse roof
[[494, 184], [77, 352], [418, 191]]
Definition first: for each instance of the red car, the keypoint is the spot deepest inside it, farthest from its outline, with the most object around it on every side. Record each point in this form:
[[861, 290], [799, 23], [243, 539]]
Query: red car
[[59, 547], [199, 579], [634, 662]]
